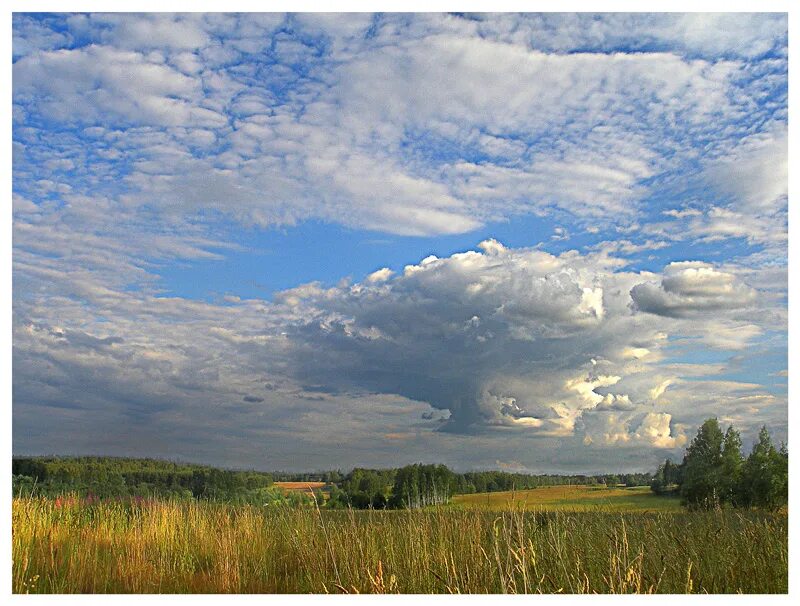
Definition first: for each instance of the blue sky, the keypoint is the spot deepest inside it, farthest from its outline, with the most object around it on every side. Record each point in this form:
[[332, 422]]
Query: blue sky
[[541, 241]]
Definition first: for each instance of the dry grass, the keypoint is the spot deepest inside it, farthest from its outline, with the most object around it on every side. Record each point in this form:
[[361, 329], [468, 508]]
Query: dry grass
[[177, 547]]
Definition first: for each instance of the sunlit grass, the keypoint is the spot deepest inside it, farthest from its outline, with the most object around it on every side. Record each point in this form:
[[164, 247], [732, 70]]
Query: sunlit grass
[[573, 498], [203, 547]]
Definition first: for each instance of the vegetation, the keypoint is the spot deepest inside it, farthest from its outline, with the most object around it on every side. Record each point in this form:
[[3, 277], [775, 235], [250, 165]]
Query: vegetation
[[714, 472], [105, 525], [572, 499], [417, 486], [363, 489], [411, 486], [194, 546], [108, 477]]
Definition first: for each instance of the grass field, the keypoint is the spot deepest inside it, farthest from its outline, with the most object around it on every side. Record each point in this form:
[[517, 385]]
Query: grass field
[[572, 498], [304, 487], [180, 547]]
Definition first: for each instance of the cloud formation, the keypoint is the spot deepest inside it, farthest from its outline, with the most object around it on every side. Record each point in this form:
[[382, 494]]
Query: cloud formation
[[688, 288], [649, 149], [274, 120]]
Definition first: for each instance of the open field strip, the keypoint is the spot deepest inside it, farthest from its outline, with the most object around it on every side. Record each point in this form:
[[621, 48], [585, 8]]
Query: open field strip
[[299, 485], [573, 498]]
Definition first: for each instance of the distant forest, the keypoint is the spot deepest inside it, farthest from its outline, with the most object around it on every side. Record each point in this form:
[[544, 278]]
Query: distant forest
[[409, 486]]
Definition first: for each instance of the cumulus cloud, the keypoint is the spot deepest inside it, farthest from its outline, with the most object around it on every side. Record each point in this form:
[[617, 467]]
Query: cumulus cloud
[[145, 141], [513, 338], [689, 288], [501, 340], [615, 429]]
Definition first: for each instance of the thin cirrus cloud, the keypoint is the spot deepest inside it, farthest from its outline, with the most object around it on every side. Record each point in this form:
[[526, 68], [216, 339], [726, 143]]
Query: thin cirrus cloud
[[144, 143]]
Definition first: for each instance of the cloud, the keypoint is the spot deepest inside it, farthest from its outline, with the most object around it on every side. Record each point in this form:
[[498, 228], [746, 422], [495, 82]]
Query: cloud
[[144, 142], [152, 31], [275, 136], [474, 345], [94, 83], [692, 34], [615, 429], [511, 338], [689, 288], [756, 173], [380, 275], [31, 35]]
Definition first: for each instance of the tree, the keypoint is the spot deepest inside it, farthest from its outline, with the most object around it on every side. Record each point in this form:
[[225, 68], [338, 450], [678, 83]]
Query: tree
[[666, 478], [420, 485], [703, 477], [731, 466], [765, 477], [672, 474]]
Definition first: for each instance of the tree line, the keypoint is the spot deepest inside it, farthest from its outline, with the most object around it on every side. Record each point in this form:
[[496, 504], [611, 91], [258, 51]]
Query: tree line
[[419, 485], [411, 486], [714, 472], [125, 477]]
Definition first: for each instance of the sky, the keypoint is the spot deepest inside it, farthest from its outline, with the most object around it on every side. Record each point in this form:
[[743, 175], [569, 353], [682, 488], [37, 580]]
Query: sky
[[538, 242]]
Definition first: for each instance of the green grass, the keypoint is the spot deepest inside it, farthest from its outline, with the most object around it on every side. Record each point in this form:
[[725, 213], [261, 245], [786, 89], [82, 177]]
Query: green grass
[[180, 547], [572, 498]]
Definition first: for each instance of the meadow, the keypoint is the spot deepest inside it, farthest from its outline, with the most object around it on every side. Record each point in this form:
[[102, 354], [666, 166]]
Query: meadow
[[173, 546], [572, 498]]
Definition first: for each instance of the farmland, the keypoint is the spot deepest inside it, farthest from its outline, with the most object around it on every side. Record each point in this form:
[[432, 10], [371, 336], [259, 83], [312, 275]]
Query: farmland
[[304, 487], [173, 546], [636, 499]]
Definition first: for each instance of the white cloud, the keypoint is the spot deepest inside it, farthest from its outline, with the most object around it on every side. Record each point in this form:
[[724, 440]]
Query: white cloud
[[94, 83], [497, 341], [507, 337], [380, 275], [704, 34], [349, 137], [659, 389], [689, 288], [137, 138], [655, 429], [153, 31]]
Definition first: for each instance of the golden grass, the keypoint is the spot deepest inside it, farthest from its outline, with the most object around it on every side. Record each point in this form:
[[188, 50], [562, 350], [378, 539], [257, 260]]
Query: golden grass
[[179, 547], [572, 498], [303, 486]]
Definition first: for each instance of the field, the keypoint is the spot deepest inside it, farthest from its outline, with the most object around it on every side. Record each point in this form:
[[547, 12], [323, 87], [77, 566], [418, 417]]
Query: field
[[572, 498], [190, 546], [304, 487]]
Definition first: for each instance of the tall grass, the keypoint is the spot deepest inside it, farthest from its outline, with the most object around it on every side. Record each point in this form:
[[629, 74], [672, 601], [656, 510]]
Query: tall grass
[[166, 547]]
